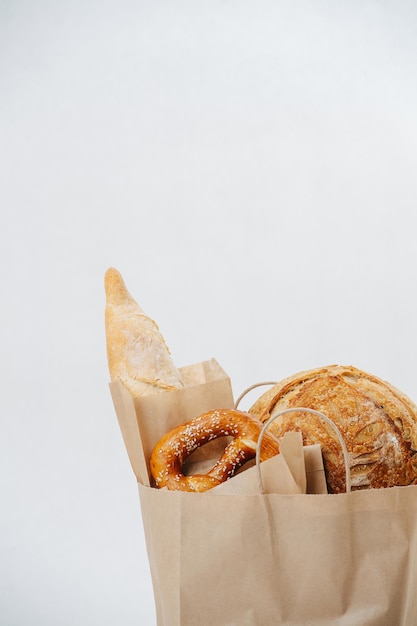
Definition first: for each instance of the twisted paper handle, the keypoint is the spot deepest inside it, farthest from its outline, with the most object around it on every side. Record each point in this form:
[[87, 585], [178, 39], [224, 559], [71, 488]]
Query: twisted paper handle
[[246, 391]]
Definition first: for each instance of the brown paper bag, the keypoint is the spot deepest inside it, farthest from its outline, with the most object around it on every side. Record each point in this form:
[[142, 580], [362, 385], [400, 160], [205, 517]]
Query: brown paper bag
[[347, 559], [297, 469], [144, 420], [262, 559]]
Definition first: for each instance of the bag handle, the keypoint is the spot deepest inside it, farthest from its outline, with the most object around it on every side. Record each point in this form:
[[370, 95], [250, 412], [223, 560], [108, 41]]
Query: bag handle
[[246, 391], [313, 412]]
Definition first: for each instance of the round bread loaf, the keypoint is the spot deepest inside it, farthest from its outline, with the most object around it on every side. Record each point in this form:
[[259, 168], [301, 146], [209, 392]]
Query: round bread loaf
[[378, 423]]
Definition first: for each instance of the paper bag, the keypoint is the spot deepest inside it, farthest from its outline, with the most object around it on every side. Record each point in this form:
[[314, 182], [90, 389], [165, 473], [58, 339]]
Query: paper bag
[[144, 420], [260, 559], [297, 469], [347, 559]]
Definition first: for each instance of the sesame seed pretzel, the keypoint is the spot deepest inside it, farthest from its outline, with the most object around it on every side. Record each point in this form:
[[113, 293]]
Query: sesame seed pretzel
[[170, 453]]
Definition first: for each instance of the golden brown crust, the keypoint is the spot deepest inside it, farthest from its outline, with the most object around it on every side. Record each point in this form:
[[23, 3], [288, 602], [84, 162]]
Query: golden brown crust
[[170, 453], [378, 423], [136, 351]]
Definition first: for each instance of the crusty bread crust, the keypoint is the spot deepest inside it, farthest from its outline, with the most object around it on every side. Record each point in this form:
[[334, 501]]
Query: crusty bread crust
[[378, 423], [137, 354]]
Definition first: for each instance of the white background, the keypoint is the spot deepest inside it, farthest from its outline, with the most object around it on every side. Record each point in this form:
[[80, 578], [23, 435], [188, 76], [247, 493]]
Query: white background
[[250, 168]]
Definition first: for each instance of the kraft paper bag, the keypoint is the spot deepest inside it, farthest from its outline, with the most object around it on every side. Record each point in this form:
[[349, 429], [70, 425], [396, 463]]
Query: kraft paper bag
[[143, 421], [258, 558], [237, 560], [297, 469]]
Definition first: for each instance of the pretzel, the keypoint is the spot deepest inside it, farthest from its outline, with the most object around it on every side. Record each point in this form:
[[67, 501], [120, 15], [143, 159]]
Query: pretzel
[[170, 453]]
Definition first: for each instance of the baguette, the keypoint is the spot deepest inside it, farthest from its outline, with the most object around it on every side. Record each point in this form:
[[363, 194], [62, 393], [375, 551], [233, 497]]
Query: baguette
[[137, 354]]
